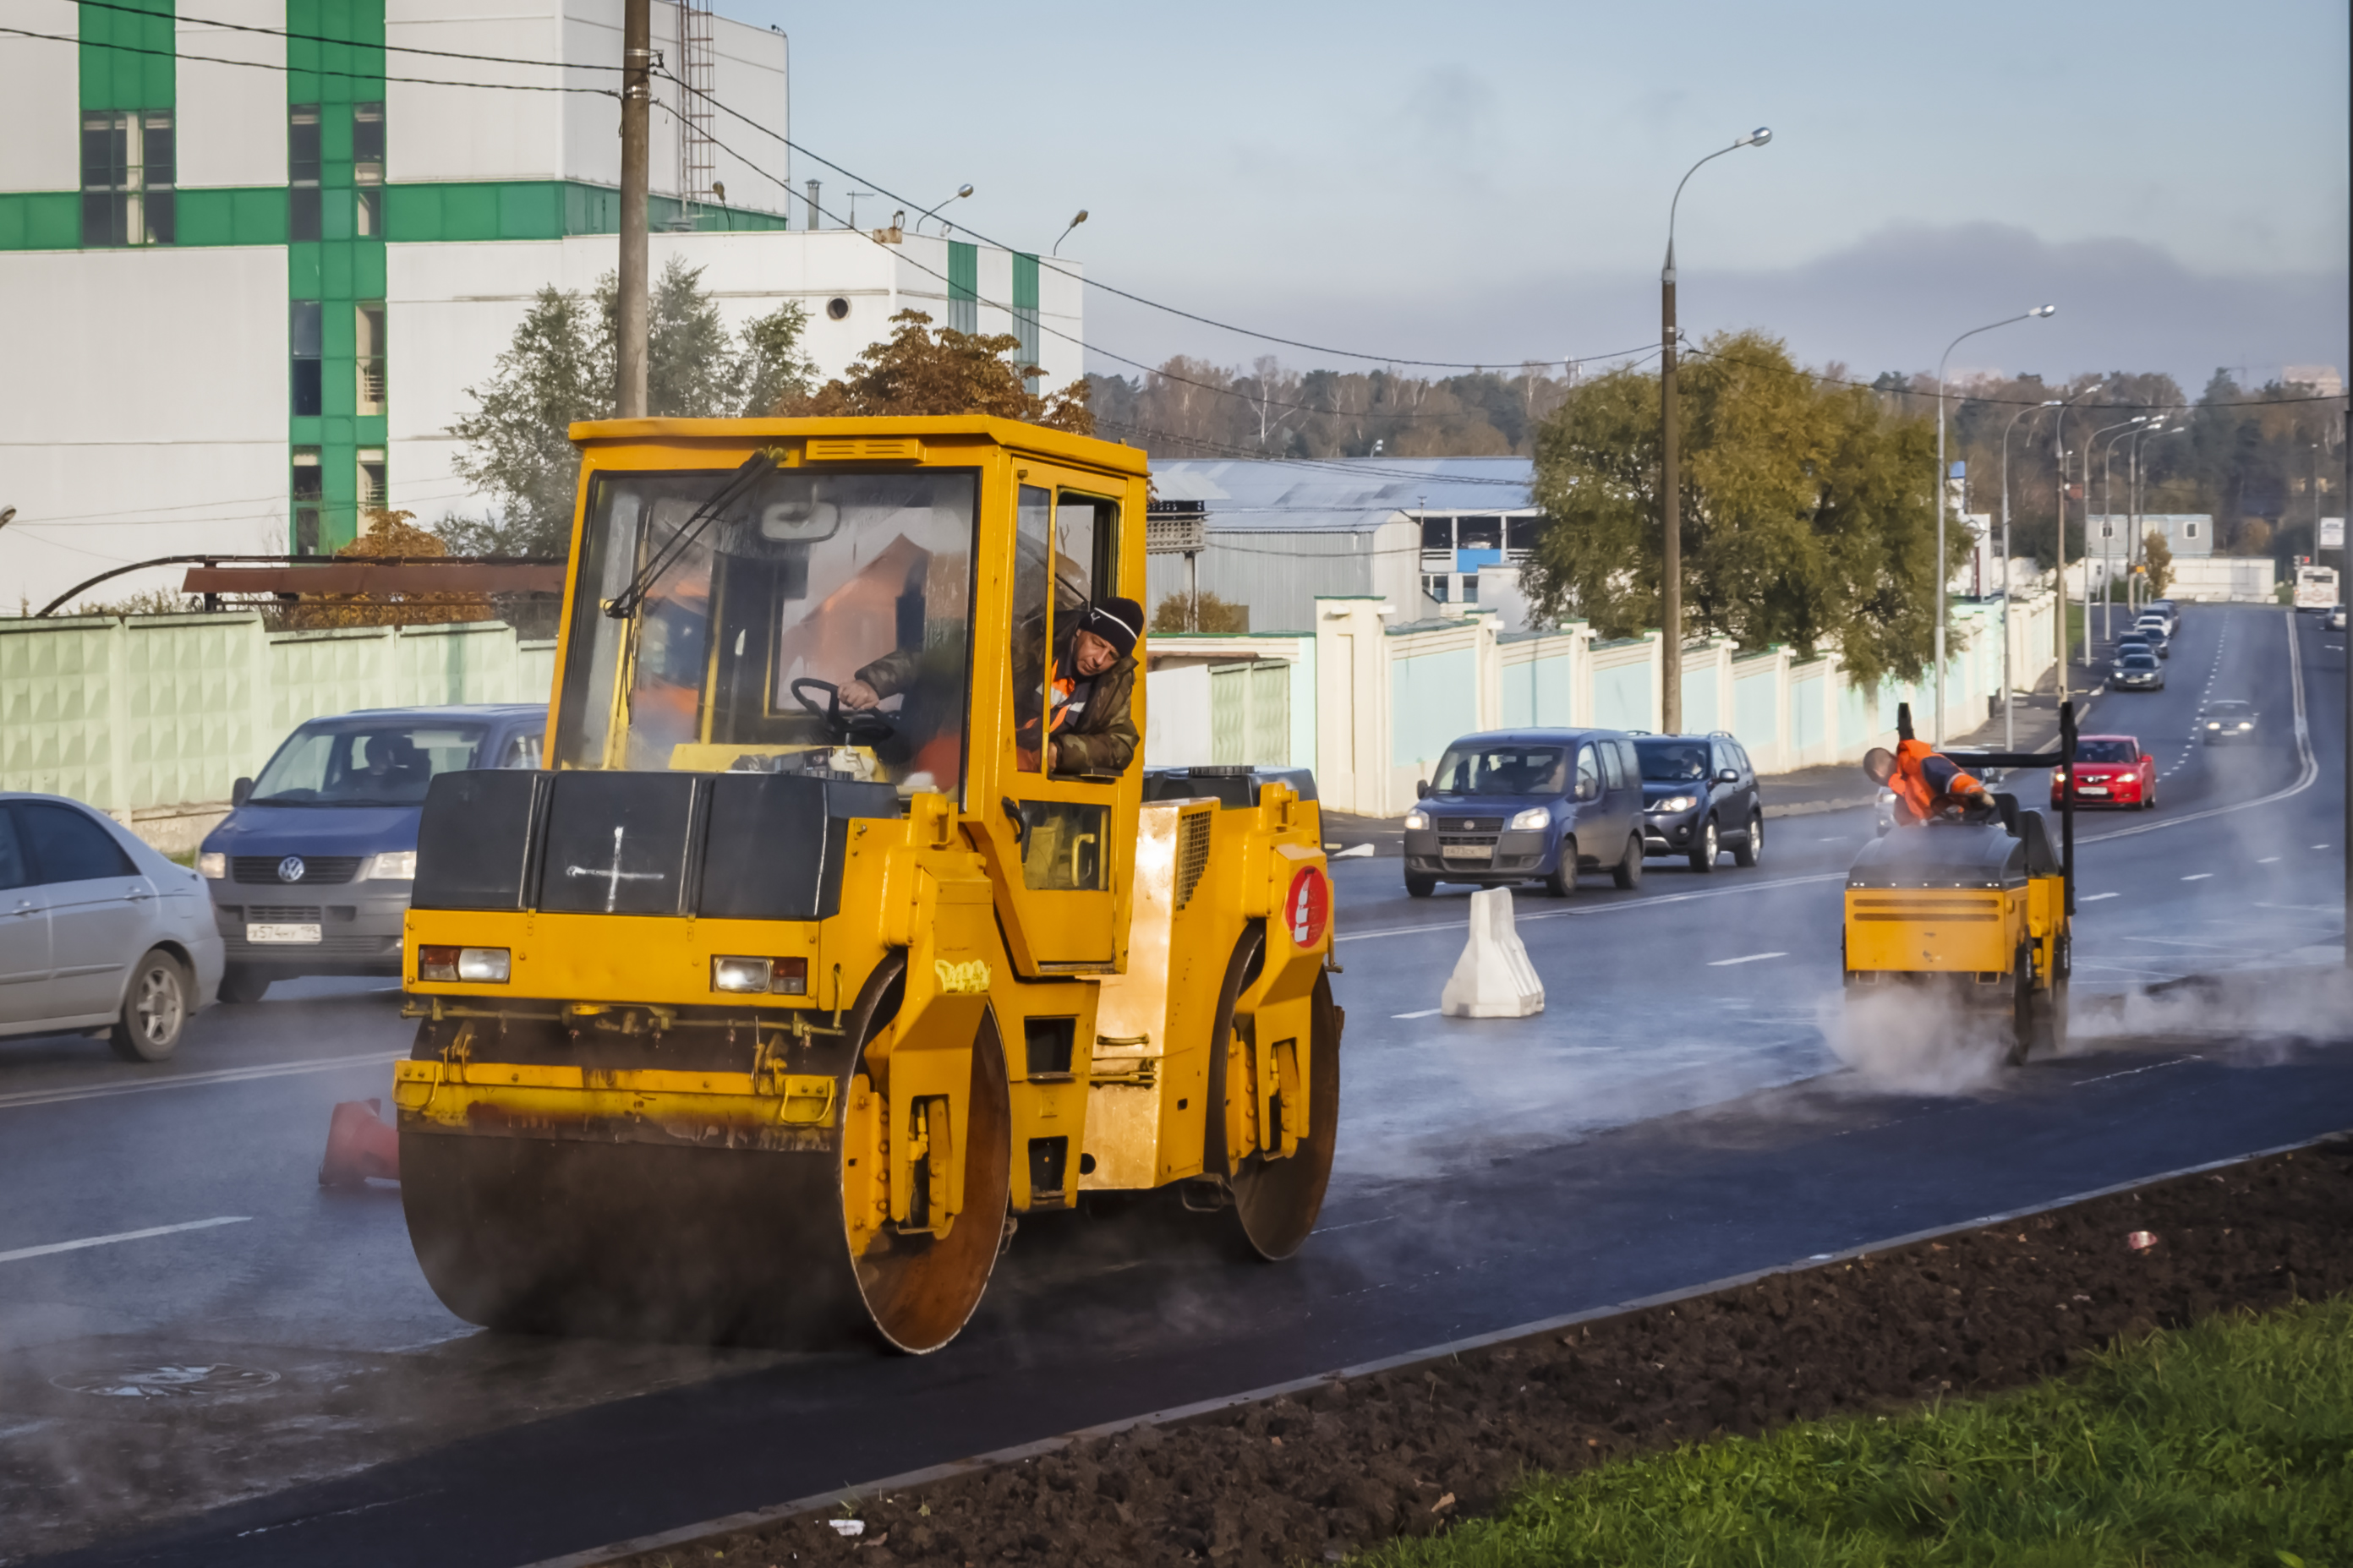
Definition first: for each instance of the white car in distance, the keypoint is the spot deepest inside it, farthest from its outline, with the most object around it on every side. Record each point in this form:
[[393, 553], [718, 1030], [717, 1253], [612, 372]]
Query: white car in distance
[[99, 932]]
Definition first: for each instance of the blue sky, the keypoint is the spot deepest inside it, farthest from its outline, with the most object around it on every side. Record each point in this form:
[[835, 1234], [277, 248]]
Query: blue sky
[[1490, 183]]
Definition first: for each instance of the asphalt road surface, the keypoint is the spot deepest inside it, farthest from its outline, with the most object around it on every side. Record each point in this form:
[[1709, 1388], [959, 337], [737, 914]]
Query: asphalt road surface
[[272, 1381]]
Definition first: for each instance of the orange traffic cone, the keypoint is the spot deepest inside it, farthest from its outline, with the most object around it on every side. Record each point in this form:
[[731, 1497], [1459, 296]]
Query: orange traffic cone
[[359, 1145]]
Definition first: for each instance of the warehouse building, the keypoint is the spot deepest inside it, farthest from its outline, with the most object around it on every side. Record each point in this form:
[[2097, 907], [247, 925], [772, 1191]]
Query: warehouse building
[[1431, 536], [252, 262]]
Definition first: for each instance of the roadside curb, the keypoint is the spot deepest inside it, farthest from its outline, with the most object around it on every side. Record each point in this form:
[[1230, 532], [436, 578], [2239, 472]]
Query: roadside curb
[[827, 1502]]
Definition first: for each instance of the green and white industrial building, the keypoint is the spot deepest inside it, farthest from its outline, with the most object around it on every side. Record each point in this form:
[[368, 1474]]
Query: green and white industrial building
[[250, 260]]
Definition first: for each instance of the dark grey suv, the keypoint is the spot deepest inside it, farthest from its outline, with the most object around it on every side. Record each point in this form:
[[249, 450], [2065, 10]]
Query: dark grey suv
[[1700, 798]]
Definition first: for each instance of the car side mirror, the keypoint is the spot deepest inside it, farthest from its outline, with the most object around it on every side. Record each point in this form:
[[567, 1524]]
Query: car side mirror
[[2146, 759], [1729, 775], [240, 791], [1421, 789]]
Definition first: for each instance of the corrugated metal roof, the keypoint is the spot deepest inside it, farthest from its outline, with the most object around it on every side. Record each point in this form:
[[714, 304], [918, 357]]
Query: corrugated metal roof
[[1342, 494]]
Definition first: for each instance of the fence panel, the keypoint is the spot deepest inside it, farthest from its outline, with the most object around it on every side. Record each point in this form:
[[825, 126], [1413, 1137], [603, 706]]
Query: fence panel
[[189, 715], [1270, 714], [56, 693], [1621, 687]]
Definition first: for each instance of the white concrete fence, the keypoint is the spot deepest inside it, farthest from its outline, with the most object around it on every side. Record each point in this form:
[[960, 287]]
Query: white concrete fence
[[152, 718], [1371, 707]]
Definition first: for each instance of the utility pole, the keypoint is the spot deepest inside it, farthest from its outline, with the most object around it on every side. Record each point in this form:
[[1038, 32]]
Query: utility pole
[[637, 105], [2345, 768], [1670, 512]]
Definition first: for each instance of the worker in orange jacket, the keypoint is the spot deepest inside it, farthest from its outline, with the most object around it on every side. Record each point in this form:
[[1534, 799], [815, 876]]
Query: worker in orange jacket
[[1926, 786]]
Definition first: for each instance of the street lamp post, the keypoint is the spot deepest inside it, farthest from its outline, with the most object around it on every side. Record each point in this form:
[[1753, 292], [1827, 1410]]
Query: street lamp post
[[2009, 723], [1671, 553], [2132, 523], [2059, 454], [2107, 522], [1943, 482], [934, 210]]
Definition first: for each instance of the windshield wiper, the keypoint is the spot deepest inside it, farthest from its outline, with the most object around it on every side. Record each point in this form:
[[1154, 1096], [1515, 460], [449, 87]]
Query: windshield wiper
[[626, 604]]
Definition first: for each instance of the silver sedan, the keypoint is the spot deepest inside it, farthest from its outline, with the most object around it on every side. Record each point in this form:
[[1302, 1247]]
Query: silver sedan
[[99, 932]]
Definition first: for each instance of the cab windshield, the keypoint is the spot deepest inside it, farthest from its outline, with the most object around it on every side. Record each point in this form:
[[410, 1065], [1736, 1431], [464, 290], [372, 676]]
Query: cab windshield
[[1502, 770], [386, 764], [753, 618]]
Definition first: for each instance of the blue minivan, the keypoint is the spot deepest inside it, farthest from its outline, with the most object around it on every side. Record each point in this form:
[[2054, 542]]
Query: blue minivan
[[1528, 805], [311, 869]]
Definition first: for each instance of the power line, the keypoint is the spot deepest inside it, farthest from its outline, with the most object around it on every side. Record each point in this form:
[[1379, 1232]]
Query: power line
[[322, 71], [1048, 264], [348, 43]]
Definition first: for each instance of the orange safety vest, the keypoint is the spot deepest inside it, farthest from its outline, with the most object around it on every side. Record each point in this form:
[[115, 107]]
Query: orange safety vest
[[1921, 795]]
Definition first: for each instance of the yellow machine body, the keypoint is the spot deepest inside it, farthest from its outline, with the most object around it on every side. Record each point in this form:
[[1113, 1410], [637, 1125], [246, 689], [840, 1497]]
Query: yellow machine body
[[1974, 912], [758, 1015]]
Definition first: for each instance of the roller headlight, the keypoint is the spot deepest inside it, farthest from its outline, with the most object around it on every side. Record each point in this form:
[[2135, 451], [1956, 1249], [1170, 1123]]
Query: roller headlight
[[1535, 819], [1415, 821], [395, 866], [760, 976], [213, 865], [1675, 803], [473, 965]]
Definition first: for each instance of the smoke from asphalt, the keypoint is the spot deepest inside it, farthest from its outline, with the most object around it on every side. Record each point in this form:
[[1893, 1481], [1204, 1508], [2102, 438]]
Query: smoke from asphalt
[[1903, 1038]]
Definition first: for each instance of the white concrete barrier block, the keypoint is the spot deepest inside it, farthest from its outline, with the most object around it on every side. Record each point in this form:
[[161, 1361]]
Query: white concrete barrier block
[[1493, 978]]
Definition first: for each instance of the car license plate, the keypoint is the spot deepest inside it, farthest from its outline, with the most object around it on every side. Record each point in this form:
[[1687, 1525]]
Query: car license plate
[[1466, 852], [258, 933], [2079, 789]]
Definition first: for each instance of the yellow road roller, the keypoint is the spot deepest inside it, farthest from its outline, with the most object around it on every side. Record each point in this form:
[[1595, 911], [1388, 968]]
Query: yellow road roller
[[1969, 917], [765, 1009]]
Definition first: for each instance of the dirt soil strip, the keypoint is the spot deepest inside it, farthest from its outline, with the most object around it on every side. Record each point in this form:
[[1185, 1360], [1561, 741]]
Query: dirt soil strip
[[1321, 1466]]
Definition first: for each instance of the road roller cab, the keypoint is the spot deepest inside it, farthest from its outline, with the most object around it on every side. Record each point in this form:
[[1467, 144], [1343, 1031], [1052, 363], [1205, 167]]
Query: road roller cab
[[758, 1015], [1970, 915]]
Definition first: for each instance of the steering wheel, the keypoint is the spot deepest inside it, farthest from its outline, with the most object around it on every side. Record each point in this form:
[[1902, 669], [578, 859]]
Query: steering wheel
[[859, 727]]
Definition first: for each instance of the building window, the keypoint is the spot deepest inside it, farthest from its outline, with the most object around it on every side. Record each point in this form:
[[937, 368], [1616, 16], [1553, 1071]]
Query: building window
[[2189, 531], [1436, 587], [302, 171], [963, 286], [1438, 535], [127, 175], [374, 484], [1470, 587], [1479, 533], [368, 340], [367, 169], [306, 328], [309, 499]]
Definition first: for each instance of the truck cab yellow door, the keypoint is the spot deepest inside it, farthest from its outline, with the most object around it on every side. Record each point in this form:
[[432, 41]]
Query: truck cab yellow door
[[1058, 832]]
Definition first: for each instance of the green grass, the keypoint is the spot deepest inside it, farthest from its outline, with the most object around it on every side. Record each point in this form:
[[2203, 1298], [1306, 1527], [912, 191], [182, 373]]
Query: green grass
[[2230, 1442]]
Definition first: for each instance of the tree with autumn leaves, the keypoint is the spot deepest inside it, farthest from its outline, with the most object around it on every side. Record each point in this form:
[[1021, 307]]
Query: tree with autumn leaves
[[920, 369], [1808, 511]]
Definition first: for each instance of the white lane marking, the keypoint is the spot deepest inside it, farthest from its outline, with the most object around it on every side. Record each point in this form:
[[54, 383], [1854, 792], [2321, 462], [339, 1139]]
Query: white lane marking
[[2305, 779], [2134, 1072], [2196, 876], [2320, 846], [1425, 1013], [2093, 898], [2268, 861], [195, 1080], [24, 1252], [1752, 958], [2175, 942]]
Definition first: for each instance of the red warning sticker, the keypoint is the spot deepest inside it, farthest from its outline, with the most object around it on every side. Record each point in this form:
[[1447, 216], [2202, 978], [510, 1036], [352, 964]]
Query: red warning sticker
[[1307, 909]]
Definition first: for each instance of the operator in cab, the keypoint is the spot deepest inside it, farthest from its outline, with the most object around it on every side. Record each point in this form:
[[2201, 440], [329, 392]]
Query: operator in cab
[[1927, 786], [1086, 721]]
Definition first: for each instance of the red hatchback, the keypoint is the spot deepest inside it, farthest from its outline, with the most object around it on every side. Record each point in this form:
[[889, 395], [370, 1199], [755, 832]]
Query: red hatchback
[[2111, 770]]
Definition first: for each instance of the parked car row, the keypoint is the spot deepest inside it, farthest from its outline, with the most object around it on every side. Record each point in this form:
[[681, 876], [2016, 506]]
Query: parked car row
[[1548, 806]]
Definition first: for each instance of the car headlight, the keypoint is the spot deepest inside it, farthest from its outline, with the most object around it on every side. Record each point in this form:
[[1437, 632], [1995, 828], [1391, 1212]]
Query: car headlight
[[2213, 725], [474, 965], [1415, 821], [782, 976], [212, 864], [1675, 803], [1534, 819], [393, 865], [2245, 724]]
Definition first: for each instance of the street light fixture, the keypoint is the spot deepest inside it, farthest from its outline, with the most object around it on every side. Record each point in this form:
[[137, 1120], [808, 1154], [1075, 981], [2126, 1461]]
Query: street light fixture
[[1943, 482], [1066, 233], [931, 211], [2009, 722], [1671, 553]]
